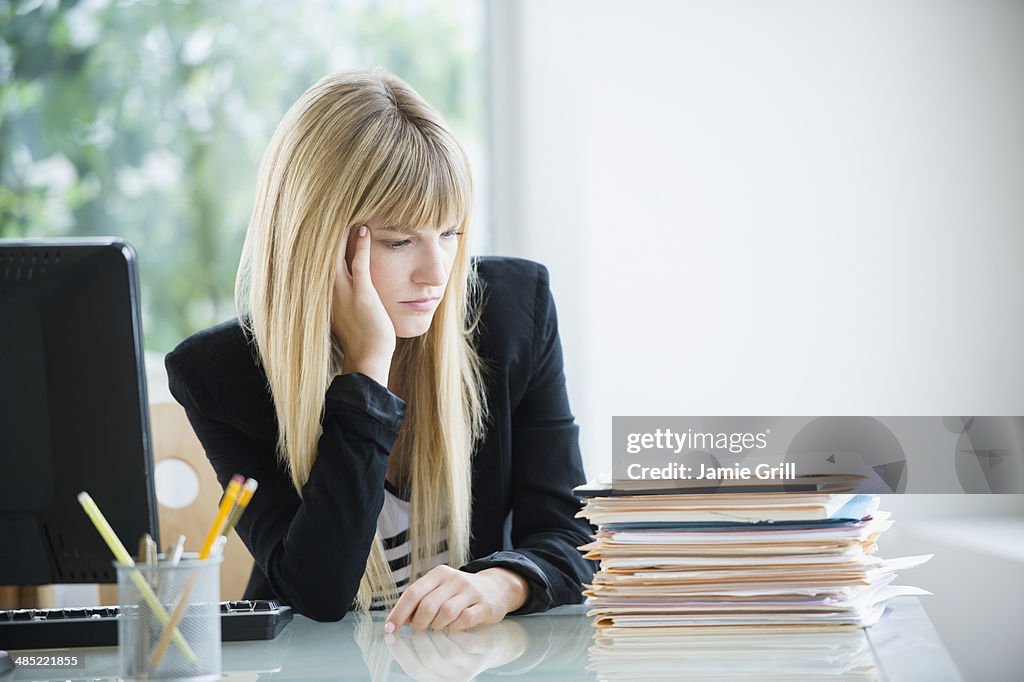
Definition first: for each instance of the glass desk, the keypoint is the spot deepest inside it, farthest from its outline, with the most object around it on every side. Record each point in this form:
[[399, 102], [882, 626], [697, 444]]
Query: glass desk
[[560, 645]]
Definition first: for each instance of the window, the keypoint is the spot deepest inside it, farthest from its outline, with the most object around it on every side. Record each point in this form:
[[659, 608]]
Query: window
[[147, 120]]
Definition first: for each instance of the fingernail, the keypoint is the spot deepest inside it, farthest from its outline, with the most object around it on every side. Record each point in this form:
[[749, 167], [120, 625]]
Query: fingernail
[[389, 627], [362, 230]]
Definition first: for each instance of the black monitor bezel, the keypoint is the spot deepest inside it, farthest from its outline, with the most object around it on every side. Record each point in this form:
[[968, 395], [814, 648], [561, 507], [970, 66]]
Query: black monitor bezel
[[129, 257]]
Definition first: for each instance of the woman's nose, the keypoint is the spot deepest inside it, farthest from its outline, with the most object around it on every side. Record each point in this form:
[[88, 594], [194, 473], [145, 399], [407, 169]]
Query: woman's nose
[[431, 269]]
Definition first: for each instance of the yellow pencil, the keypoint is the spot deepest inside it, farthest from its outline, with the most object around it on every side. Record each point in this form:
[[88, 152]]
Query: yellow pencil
[[248, 490], [125, 559], [233, 504], [230, 497]]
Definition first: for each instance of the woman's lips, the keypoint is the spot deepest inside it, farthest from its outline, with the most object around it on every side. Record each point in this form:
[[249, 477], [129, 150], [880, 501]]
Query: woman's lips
[[423, 305]]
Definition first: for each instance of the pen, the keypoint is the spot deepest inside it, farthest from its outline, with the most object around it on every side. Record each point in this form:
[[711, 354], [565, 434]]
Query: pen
[[218, 546], [174, 555], [125, 559], [147, 557]]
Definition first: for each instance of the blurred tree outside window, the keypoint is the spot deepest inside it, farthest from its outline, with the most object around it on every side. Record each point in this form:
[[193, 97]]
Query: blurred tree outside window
[[147, 120]]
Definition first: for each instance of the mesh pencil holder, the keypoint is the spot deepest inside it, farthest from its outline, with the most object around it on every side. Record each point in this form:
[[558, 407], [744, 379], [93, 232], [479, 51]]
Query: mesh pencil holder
[[170, 620]]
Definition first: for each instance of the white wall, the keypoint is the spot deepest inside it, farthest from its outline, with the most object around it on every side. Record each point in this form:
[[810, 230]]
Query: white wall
[[785, 208], [769, 207]]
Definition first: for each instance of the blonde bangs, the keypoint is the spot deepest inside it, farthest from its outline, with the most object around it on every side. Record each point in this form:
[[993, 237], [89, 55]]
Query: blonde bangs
[[420, 183]]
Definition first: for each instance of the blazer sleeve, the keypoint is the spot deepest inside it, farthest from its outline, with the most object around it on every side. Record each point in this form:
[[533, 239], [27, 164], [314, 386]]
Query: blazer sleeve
[[546, 466], [312, 549]]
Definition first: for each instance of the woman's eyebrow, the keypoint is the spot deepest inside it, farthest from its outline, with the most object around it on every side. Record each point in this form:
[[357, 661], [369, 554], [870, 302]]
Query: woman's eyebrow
[[413, 230]]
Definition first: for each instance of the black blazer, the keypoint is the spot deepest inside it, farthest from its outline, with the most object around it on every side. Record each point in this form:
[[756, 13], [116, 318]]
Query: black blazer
[[311, 552]]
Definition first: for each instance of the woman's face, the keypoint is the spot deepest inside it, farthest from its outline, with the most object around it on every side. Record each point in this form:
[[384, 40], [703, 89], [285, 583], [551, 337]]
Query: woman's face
[[409, 270]]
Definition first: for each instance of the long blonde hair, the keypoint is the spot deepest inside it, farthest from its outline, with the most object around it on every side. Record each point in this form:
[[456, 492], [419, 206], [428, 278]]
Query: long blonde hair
[[360, 145]]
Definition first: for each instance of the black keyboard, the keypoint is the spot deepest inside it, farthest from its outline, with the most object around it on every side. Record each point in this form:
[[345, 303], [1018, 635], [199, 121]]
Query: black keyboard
[[240, 621]]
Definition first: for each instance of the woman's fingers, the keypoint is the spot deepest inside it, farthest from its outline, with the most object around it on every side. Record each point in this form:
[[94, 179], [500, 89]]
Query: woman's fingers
[[451, 609], [352, 239], [341, 269], [431, 606], [477, 614], [407, 603], [435, 600], [361, 257], [447, 598]]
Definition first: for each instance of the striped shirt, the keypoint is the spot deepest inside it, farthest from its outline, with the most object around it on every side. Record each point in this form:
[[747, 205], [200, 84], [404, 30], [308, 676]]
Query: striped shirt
[[393, 525]]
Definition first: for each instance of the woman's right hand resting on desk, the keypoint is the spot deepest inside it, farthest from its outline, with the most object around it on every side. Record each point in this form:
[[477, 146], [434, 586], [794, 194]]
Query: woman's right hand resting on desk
[[358, 317]]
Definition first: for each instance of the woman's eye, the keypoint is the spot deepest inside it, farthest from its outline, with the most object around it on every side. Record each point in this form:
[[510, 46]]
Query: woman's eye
[[397, 244], [451, 234]]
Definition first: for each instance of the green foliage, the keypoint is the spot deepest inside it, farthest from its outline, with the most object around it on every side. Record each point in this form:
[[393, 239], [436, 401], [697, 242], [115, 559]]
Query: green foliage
[[147, 120]]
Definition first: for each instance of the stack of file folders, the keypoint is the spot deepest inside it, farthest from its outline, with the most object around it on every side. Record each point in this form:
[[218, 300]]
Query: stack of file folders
[[753, 563]]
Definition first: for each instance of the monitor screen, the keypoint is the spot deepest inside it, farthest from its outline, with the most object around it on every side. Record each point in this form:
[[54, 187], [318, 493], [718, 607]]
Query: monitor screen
[[73, 411]]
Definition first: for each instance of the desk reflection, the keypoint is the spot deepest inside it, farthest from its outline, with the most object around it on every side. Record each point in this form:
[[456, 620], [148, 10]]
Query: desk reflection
[[437, 656], [563, 644], [553, 646], [632, 656], [565, 647]]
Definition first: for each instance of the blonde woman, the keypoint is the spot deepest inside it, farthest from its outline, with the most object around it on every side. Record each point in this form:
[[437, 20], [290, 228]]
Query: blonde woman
[[402, 406]]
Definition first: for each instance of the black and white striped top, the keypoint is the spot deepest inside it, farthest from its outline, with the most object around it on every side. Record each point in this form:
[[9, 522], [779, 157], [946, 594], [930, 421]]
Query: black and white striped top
[[393, 525]]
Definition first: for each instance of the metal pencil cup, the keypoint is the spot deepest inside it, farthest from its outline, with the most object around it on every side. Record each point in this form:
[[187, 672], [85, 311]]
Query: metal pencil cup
[[154, 596]]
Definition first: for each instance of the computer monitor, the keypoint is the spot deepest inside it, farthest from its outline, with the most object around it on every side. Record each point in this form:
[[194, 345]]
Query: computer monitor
[[73, 408]]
